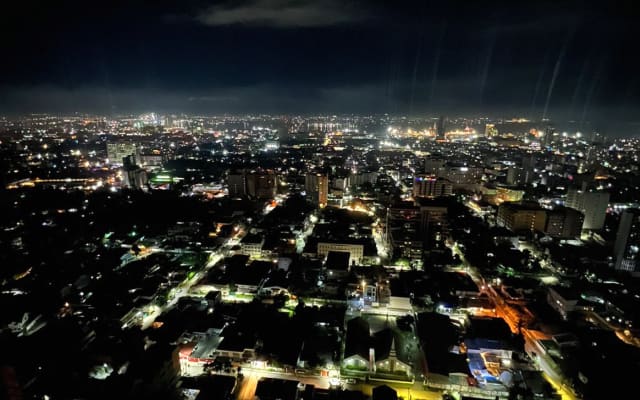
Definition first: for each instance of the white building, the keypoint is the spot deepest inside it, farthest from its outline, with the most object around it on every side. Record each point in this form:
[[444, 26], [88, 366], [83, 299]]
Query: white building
[[355, 251]]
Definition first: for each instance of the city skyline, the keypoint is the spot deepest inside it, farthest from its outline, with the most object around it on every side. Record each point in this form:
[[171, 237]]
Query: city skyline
[[319, 199]]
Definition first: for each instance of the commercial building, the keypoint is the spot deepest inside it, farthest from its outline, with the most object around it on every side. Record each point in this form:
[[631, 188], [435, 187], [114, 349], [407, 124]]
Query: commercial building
[[500, 194]]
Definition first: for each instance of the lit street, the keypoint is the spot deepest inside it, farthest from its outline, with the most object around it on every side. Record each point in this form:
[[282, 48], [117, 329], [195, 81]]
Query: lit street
[[513, 319], [247, 387]]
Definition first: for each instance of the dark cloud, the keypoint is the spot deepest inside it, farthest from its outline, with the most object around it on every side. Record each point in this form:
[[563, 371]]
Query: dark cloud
[[283, 13]]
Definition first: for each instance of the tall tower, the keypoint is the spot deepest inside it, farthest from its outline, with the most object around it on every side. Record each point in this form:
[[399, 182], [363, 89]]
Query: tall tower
[[440, 129], [490, 130], [547, 139], [592, 203], [627, 247], [237, 183]]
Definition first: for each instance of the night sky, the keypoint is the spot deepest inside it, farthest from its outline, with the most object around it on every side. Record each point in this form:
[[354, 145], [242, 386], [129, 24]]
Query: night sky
[[559, 59]]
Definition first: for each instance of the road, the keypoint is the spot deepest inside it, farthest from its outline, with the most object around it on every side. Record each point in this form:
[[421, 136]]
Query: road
[[246, 388], [183, 288], [513, 318], [624, 336]]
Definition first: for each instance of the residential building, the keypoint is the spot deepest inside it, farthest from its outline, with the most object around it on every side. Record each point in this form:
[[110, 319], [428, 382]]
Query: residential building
[[117, 151], [592, 203], [316, 186], [564, 222], [521, 217], [430, 186], [258, 184], [403, 230]]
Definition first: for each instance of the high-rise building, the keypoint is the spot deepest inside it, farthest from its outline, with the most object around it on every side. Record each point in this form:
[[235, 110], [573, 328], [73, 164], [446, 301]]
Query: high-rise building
[[516, 176], [133, 176], [259, 184], [627, 246], [236, 184], [117, 151], [440, 129], [564, 222], [403, 230], [529, 166], [592, 203], [430, 186], [433, 166], [153, 159], [433, 221], [461, 174], [359, 178], [316, 185], [547, 139], [490, 130], [521, 217]]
